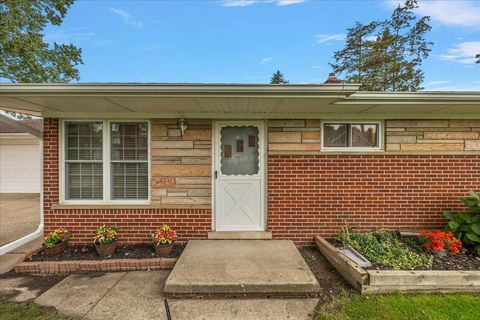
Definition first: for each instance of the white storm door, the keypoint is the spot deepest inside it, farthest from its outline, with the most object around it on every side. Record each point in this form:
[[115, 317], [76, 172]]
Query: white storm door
[[239, 176]]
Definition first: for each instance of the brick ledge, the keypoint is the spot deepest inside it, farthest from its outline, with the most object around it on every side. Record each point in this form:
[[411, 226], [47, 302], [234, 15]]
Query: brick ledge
[[62, 267]]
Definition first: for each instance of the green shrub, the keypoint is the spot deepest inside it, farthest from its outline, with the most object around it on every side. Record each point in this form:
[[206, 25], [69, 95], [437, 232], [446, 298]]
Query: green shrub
[[386, 248], [466, 225]]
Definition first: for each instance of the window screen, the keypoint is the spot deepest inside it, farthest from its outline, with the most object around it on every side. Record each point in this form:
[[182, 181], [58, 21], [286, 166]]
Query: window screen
[[83, 160], [351, 135], [129, 160]]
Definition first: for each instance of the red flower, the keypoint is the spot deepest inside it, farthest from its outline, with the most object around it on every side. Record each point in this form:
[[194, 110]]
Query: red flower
[[438, 240]]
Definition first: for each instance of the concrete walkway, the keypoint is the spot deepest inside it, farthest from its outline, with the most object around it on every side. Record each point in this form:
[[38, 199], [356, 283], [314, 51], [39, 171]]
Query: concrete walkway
[[116, 295], [139, 295], [241, 268]]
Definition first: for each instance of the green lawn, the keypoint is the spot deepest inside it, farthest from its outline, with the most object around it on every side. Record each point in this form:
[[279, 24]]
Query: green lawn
[[27, 311], [403, 306]]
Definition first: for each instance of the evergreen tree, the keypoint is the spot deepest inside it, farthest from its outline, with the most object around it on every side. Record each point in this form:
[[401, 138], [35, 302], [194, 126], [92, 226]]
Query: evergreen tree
[[352, 59], [386, 55], [277, 78], [25, 57]]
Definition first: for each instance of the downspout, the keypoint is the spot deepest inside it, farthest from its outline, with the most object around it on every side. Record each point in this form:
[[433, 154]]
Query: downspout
[[39, 231]]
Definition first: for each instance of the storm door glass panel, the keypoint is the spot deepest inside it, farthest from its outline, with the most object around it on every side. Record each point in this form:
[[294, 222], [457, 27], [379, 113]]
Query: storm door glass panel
[[364, 135], [129, 160], [83, 160], [335, 135], [239, 150]]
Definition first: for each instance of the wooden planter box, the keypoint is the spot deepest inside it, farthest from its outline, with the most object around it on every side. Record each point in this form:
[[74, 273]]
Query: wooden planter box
[[383, 281]]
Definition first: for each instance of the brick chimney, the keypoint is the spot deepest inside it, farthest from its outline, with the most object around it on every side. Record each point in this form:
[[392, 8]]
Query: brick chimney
[[332, 78]]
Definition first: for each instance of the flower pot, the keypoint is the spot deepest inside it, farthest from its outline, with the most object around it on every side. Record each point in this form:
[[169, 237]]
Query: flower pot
[[163, 249], [107, 249], [57, 249]]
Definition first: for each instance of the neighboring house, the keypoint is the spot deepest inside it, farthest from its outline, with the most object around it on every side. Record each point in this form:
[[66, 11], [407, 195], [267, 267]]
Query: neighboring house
[[294, 160], [20, 158]]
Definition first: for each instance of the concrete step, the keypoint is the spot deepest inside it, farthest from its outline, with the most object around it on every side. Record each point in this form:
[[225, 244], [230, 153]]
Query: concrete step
[[241, 268], [239, 235], [244, 309]]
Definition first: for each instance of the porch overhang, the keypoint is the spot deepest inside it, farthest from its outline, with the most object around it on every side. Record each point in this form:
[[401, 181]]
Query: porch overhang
[[222, 101]]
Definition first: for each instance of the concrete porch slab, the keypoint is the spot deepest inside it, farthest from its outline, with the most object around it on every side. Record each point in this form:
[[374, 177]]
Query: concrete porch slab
[[239, 235], [241, 268]]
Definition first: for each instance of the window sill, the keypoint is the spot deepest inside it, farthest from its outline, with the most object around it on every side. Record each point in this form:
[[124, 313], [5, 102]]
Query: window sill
[[151, 205], [350, 150]]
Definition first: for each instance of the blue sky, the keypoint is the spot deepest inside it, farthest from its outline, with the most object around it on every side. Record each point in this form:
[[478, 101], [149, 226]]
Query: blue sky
[[245, 41]]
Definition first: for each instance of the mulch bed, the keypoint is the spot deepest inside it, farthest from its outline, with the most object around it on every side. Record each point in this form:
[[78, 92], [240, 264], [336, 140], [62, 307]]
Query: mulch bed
[[76, 252], [331, 282], [465, 260]]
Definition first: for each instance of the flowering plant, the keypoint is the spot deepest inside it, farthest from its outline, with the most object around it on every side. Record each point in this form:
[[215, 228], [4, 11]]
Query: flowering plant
[[438, 240], [105, 235], [57, 236], [164, 236]]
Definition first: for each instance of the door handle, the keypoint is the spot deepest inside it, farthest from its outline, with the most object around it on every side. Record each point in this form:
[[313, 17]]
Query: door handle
[[215, 174]]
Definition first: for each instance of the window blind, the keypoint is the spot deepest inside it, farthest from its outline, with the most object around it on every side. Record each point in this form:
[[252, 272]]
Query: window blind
[[83, 160], [129, 160]]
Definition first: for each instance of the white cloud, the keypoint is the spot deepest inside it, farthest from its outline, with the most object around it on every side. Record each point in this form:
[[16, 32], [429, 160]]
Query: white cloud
[[463, 53], [322, 38], [74, 35], [266, 60], [317, 67], [459, 13], [238, 3], [288, 2], [127, 18], [246, 3], [438, 82], [77, 36]]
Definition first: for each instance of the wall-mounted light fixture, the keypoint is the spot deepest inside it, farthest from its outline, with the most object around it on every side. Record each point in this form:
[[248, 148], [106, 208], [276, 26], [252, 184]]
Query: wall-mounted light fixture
[[183, 125]]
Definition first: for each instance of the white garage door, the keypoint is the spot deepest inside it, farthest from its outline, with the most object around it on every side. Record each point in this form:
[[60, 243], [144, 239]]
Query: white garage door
[[20, 167]]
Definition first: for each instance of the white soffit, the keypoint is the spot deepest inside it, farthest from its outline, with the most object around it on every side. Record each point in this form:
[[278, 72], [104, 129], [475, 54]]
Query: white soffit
[[232, 101]]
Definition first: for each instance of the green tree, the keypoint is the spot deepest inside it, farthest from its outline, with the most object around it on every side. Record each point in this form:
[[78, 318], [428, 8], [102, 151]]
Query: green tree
[[277, 78], [386, 55], [25, 57], [353, 60]]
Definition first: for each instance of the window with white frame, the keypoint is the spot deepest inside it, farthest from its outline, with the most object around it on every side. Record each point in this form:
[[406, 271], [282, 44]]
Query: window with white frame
[[106, 160], [351, 136]]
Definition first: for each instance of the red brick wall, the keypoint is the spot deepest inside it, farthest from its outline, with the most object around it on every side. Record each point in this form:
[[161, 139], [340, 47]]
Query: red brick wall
[[312, 195], [308, 195], [136, 225]]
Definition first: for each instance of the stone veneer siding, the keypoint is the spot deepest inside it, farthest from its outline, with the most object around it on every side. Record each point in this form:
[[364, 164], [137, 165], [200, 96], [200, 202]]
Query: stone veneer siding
[[293, 136], [181, 165], [432, 135]]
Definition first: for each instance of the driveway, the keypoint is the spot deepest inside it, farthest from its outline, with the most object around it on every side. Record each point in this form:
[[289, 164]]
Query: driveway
[[19, 215]]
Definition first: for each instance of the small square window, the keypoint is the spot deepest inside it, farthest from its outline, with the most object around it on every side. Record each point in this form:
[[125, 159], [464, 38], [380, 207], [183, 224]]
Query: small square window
[[364, 135], [360, 136], [335, 135]]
